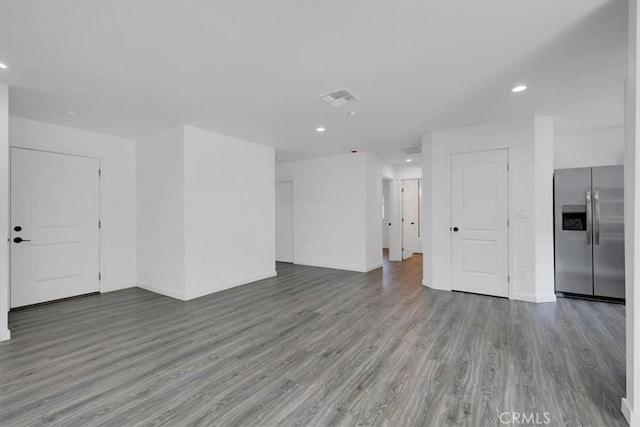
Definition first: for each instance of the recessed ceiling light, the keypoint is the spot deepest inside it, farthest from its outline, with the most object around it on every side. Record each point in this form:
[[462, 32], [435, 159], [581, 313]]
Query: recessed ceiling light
[[351, 113], [409, 160], [519, 88], [320, 129], [2, 66], [71, 112]]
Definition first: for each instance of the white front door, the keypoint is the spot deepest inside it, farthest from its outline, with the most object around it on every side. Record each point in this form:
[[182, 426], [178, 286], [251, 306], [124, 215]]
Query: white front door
[[479, 222], [55, 211], [410, 218], [284, 221]]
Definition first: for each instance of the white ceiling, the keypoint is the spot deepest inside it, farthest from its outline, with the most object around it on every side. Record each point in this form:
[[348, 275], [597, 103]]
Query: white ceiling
[[253, 69]]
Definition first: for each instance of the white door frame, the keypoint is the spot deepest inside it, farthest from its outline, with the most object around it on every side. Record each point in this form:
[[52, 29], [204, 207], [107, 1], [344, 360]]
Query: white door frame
[[388, 206], [100, 239], [402, 258], [293, 214], [510, 243], [293, 218], [395, 213]]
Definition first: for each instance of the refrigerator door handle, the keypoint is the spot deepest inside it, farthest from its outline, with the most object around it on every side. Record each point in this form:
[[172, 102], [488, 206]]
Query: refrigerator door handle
[[596, 218], [589, 208]]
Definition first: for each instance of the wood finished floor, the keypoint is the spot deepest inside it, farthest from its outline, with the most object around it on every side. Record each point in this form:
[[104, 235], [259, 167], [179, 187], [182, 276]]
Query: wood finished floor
[[313, 347]]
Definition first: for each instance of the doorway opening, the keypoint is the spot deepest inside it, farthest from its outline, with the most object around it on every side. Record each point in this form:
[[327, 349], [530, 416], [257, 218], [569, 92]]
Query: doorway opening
[[284, 221], [411, 217], [386, 218]]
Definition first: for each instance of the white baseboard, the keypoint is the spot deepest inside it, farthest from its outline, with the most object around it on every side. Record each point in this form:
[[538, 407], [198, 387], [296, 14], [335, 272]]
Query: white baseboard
[[373, 267], [533, 298], [110, 288], [166, 292], [197, 293], [435, 286], [633, 418], [331, 266], [5, 335]]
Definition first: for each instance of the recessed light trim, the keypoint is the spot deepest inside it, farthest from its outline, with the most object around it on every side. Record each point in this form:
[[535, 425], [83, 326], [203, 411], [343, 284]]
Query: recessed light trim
[[3, 66], [71, 113], [519, 88], [409, 160], [320, 129]]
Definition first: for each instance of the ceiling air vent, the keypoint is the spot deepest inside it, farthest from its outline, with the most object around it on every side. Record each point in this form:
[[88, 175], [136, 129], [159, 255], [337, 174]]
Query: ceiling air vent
[[413, 149], [339, 97]]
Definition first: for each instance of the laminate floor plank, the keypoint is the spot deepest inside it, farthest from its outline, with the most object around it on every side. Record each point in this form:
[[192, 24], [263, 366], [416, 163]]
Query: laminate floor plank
[[315, 347]]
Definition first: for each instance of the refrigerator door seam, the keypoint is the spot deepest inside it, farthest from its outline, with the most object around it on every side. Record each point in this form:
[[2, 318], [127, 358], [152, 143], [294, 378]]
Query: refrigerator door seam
[[596, 218], [589, 215]]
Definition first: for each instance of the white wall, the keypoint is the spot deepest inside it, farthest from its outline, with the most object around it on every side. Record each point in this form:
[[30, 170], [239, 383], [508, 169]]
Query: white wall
[[530, 145], [631, 403], [329, 205], [411, 171], [161, 215], [336, 209], [229, 211], [544, 263], [598, 147], [206, 212], [117, 189], [4, 213]]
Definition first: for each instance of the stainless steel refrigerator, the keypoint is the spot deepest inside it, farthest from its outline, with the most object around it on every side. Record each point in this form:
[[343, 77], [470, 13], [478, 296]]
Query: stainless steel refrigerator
[[589, 231]]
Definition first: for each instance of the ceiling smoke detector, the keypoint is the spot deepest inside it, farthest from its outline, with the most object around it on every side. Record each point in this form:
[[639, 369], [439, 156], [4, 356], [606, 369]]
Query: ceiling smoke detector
[[339, 97]]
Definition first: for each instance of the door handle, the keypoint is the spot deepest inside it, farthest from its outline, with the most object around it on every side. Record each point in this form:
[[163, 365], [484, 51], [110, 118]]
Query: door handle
[[20, 240], [596, 218], [589, 214], [455, 229]]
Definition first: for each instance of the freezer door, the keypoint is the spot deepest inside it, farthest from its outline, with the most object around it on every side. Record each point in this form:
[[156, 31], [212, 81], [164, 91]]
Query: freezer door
[[608, 231], [573, 231]]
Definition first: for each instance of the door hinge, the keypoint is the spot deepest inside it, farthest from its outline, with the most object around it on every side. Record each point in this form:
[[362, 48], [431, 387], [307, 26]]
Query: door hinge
[[99, 172], [99, 276], [402, 219], [507, 166], [403, 189], [508, 223], [508, 278], [99, 224]]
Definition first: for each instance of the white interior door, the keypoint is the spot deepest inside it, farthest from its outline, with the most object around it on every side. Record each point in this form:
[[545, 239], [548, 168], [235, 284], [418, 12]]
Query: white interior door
[[410, 218], [479, 227], [55, 210], [284, 221]]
